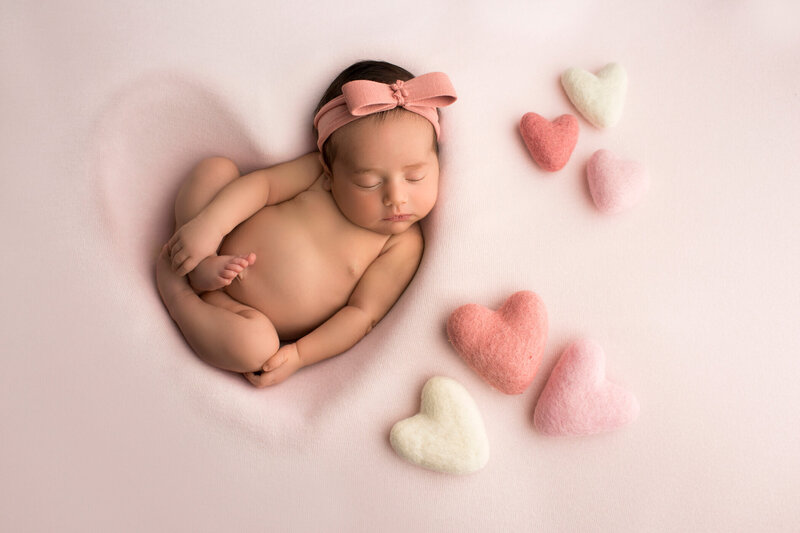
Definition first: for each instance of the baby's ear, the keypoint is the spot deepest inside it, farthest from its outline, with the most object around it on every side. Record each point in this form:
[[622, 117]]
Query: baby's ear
[[325, 168], [326, 183]]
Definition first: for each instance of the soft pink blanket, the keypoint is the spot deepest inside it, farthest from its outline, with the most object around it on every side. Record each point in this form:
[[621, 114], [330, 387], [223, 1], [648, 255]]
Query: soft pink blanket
[[111, 423]]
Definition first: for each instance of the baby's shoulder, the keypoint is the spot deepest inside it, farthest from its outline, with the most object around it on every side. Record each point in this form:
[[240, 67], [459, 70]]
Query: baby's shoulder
[[411, 241], [316, 191], [317, 185]]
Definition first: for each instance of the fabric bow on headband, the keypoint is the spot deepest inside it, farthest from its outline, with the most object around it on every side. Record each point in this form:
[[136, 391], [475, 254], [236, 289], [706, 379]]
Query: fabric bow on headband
[[359, 98]]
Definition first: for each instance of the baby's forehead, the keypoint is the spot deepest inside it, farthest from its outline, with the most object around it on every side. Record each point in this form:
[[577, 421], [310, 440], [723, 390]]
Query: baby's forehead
[[377, 155], [414, 136], [397, 118]]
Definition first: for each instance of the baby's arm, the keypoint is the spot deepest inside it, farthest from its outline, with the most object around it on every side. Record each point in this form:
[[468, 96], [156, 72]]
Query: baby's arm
[[243, 197], [235, 203], [377, 291]]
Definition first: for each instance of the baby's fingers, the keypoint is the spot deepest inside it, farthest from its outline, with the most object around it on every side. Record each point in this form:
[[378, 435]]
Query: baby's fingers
[[183, 263], [278, 375], [177, 247], [178, 258], [186, 266], [255, 380], [175, 242], [275, 361]]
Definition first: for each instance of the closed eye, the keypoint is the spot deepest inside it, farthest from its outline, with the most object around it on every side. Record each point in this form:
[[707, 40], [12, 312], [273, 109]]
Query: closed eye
[[374, 186]]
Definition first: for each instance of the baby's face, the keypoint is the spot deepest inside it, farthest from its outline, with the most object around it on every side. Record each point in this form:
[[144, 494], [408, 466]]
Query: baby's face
[[386, 173]]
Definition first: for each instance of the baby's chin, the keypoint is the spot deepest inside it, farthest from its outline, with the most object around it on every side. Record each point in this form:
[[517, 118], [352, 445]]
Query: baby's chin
[[386, 227]]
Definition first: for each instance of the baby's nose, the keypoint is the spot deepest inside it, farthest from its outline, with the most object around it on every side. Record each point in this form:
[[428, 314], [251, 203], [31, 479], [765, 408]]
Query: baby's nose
[[395, 195]]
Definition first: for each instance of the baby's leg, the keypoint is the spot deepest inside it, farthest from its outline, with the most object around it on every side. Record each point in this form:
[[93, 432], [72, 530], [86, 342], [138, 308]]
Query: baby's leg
[[205, 180], [223, 332]]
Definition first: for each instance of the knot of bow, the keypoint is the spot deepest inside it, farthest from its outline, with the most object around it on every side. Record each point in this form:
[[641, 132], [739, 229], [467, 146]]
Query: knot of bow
[[399, 93], [365, 97]]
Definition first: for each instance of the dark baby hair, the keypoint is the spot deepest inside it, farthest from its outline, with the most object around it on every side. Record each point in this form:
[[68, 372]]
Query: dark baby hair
[[363, 70]]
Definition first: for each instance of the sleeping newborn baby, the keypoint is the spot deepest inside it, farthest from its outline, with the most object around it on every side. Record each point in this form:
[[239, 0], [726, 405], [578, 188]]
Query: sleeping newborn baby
[[314, 251]]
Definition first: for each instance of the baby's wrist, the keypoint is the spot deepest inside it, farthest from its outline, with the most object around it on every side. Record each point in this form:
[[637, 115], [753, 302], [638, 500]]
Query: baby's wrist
[[300, 361], [211, 224]]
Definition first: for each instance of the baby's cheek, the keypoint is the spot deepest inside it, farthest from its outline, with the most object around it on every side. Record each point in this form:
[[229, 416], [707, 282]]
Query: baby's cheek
[[430, 196]]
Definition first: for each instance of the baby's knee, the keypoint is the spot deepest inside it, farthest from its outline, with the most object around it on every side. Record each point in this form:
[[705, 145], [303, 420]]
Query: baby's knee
[[205, 180], [216, 168], [254, 343]]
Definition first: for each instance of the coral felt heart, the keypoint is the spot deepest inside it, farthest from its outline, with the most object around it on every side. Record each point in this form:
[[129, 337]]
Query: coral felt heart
[[578, 399], [447, 435], [615, 183], [505, 346], [599, 98], [549, 143]]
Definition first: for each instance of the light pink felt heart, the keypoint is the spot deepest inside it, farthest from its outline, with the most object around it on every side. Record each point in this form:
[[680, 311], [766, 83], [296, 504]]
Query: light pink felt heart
[[615, 183], [505, 346], [578, 399], [549, 143]]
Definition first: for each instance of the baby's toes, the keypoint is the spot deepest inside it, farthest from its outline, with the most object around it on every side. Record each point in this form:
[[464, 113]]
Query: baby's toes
[[235, 267], [231, 271], [245, 259], [248, 259]]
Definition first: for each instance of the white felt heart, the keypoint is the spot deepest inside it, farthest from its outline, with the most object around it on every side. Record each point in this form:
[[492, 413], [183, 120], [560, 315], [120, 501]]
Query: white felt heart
[[578, 399], [599, 98], [447, 435]]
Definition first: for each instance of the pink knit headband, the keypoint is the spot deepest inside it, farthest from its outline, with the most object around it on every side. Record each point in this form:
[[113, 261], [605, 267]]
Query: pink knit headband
[[359, 98]]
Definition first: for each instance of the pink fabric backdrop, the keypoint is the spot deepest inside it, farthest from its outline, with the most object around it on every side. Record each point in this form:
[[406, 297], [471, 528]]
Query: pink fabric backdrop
[[110, 423]]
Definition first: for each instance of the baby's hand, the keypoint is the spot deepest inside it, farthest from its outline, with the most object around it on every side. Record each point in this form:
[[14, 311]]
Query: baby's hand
[[284, 363], [193, 242]]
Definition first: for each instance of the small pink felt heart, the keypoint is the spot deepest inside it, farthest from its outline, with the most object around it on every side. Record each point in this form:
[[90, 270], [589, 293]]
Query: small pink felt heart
[[550, 143], [505, 346], [615, 183], [578, 399]]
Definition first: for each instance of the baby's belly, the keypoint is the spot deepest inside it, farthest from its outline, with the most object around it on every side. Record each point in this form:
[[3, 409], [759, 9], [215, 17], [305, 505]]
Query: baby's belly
[[296, 280]]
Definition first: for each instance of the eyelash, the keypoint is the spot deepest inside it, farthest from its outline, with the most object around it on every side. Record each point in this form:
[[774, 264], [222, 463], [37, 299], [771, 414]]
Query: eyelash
[[373, 187]]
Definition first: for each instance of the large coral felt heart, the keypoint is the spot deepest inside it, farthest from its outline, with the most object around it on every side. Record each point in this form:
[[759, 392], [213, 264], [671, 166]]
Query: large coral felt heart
[[615, 183], [550, 143], [447, 435], [599, 98], [578, 399], [505, 346]]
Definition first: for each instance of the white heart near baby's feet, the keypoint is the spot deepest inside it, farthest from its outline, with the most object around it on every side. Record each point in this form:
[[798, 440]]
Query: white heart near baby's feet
[[599, 98], [447, 435]]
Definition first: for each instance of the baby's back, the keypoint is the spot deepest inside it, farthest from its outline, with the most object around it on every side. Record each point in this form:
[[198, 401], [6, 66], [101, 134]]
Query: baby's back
[[309, 260]]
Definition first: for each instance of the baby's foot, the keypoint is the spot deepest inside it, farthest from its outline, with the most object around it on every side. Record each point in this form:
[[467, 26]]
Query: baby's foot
[[218, 271]]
